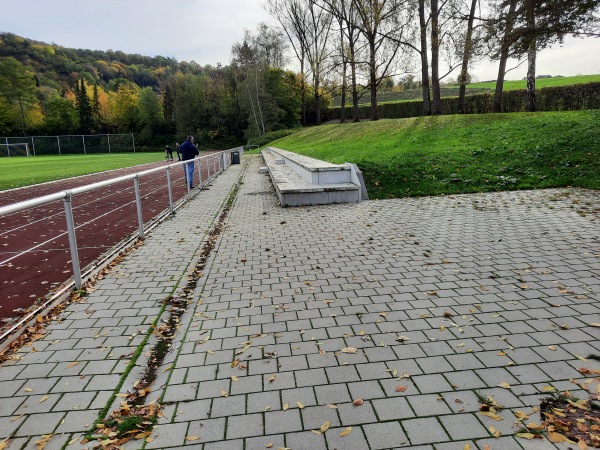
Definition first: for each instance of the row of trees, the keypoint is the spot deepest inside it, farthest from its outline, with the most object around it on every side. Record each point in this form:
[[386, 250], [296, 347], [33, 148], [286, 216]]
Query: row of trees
[[353, 45]]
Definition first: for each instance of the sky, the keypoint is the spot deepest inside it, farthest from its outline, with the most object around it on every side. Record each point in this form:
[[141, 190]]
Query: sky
[[205, 30]]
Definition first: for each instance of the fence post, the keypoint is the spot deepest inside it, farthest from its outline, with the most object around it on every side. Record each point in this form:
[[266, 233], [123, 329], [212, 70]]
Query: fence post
[[72, 240], [108, 137], [185, 177], [83, 139], [138, 203], [32, 145], [133, 140], [200, 173], [169, 187], [58, 141]]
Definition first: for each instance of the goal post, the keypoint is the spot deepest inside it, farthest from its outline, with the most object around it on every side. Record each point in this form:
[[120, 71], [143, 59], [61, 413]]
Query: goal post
[[16, 149]]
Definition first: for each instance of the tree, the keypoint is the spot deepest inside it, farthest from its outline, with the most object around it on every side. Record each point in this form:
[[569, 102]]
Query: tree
[[17, 86], [60, 115], [384, 24], [83, 106], [467, 54], [150, 113], [424, 49]]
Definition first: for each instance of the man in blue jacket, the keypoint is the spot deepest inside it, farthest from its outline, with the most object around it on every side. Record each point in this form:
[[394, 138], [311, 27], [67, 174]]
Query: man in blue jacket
[[188, 152]]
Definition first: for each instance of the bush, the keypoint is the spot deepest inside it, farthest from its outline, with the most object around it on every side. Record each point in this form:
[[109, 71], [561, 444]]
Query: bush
[[560, 98]]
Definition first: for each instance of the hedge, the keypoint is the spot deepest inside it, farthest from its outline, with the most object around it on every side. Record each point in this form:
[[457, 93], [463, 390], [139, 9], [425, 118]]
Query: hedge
[[559, 98]]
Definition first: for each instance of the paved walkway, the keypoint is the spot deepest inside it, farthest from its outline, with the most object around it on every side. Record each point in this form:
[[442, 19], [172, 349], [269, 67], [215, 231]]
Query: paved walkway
[[413, 305]]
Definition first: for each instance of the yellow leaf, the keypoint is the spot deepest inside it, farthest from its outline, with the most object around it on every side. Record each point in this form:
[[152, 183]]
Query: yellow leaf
[[346, 432], [192, 438], [39, 319], [286, 406], [595, 324], [556, 437], [224, 394], [332, 406], [210, 352], [121, 395], [44, 398], [316, 432], [580, 357], [548, 388], [300, 405], [272, 378], [43, 441], [325, 426], [166, 369], [490, 414], [4, 443], [552, 348], [487, 447], [504, 385], [73, 364], [28, 390], [501, 354], [521, 415], [269, 445], [234, 378], [349, 350], [267, 408], [467, 446], [582, 445], [525, 435]]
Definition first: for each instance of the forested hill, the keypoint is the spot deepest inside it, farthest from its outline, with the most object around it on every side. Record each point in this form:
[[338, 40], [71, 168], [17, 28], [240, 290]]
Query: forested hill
[[59, 67]]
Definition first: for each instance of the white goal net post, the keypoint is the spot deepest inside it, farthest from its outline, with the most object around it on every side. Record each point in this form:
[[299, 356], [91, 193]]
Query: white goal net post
[[16, 149]]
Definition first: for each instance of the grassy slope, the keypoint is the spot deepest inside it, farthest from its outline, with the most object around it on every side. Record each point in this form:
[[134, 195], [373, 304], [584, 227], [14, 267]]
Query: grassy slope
[[21, 171], [474, 88], [453, 154]]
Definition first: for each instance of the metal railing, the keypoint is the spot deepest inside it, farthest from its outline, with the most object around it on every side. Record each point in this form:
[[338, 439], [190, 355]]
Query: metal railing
[[219, 161]]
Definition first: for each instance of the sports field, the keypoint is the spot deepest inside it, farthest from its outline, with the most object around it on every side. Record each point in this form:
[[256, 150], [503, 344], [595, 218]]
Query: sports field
[[22, 171]]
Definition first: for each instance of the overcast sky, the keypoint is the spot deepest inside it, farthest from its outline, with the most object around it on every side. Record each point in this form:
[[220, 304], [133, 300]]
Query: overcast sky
[[203, 31]]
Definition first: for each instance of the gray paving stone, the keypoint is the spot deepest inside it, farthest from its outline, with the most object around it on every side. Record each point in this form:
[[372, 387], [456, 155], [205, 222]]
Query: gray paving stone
[[210, 430], [171, 434], [384, 435], [463, 427], [356, 415], [353, 441], [38, 424], [424, 431], [283, 421], [245, 426]]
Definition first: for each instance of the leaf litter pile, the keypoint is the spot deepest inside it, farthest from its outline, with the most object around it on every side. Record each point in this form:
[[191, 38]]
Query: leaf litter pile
[[135, 419]]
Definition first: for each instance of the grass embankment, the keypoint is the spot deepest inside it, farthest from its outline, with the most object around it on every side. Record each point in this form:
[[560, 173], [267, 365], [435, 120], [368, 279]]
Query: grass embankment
[[22, 171], [462, 154], [473, 88]]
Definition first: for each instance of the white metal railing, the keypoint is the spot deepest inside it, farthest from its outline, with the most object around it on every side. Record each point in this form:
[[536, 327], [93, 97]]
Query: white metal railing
[[219, 161]]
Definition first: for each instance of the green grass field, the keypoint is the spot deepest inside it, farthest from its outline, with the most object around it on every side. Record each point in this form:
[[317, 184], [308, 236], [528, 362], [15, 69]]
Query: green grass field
[[462, 154], [22, 171], [474, 88]]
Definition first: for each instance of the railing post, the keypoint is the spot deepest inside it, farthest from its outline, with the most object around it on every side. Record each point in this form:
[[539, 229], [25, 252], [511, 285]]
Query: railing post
[[138, 204], [185, 177], [200, 173], [72, 240], [170, 189]]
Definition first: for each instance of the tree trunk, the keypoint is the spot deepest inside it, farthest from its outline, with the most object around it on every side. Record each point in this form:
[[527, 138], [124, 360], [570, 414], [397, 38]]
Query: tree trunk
[[344, 76], [435, 59], [22, 115], [424, 60], [355, 117], [316, 85], [260, 114], [497, 105], [303, 90], [462, 79], [373, 80], [531, 56]]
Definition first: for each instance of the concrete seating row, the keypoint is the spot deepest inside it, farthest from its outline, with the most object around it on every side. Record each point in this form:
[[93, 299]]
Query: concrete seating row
[[301, 180]]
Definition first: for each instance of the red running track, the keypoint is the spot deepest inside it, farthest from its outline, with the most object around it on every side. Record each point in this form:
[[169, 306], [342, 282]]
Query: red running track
[[34, 246]]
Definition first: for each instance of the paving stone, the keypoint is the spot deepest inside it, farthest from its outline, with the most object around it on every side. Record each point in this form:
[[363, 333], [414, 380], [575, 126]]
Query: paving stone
[[384, 435], [262, 442], [356, 415], [37, 424], [208, 430], [463, 427], [424, 431], [427, 405], [283, 421], [245, 426], [353, 441], [170, 434]]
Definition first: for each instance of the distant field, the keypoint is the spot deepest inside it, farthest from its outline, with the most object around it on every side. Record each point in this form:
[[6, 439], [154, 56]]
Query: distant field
[[23, 171], [474, 88], [462, 153]]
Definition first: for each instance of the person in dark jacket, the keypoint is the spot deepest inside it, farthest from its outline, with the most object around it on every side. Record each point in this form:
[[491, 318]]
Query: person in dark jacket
[[188, 152], [169, 151], [178, 150]]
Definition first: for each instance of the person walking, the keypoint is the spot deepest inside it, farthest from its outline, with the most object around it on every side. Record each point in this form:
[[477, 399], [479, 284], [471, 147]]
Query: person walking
[[188, 152], [178, 150], [169, 151]]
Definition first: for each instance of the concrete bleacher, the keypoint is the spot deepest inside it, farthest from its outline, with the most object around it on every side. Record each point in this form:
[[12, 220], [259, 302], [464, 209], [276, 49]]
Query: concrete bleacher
[[301, 180]]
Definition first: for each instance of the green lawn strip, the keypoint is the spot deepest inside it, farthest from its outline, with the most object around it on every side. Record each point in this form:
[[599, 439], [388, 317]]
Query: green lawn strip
[[511, 85], [462, 154], [23, 171]]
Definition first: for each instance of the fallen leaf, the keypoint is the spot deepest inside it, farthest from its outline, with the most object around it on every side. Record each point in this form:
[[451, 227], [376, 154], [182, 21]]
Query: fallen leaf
[[224, 394], [28, 389], [548, 389], [44, 398], [44, 440], [552, 348], [300, 405], [467, 446], [521, 415], [487, 447], [491, 415], [555, 437], [316, 432], [325, 426], [267, 408], [580, 358], [525, 435], [595, 324], [504, 385], [582, 445], [400, 388], [269, 445], [234, 378], [166, 369], [286, 406], [332, 406], [346, 432], [494, 432], [192, 438], [39, 319], [358, 402], [272, 378], [349, 350]]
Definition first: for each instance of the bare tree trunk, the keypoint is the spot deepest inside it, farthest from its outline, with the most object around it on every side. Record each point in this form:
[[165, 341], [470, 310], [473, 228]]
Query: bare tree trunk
[[252, 104], [303, 90], [373, 81], [316, 84], [344, 76], [260, 114], [355, 117], [435, 59], [462, 78], [531, 56], [424, 60], [497, 105]]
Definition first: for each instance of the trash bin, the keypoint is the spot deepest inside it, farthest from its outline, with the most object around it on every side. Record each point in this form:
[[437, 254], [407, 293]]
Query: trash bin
[[235, 157]]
